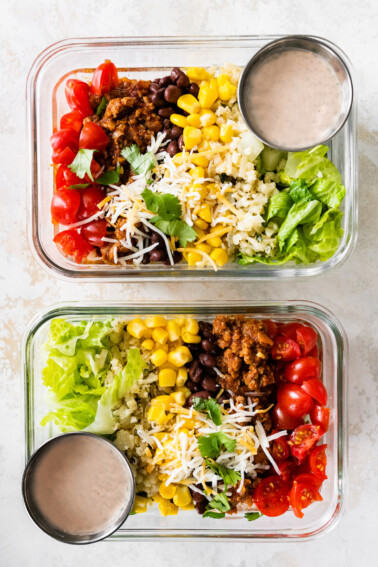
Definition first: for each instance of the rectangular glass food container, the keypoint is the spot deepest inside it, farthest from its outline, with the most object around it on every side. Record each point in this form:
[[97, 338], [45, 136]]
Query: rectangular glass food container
[[147, 58], [319, 517]]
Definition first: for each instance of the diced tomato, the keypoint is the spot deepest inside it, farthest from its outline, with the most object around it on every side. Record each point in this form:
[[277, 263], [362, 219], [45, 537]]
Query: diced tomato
[[302, 439], [302, 369], [271, 496], [104, 78], [93, 137], [306, 338], [95, 171], [63, 157], [65, 177], [318, 461], [287, 469], [308, 478], [314, 352], [64, 206], [282, 420], [77, 95], [316, 389], [72, 120], [292, 401], [289, 330], [281, 450], [65, 138], [319, 415], [271, 328], [90, 197], [285, 349], [301, 496], [95, 231], [73, 244]]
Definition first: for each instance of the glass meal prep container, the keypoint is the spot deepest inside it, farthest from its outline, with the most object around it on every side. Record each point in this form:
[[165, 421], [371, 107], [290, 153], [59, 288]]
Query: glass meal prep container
[[147, 58], [319, 518]]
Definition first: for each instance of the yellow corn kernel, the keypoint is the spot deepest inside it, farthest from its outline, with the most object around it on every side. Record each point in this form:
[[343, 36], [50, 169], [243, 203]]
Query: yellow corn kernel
[[191, 326], [215, 241], [182, 496], [160, 335], [188, 507], [193, 258], [182, 376], [205, 213], [208, 93], [173, 330], [178, 120], [162, 400], [148, 344], [204, 146], [226, 133], [159, 357], [181, 321], [180, 356], [156, 413], [211, 133], [194, 120], [207, 117], [192, 137], [179, 398], [155, 321], [222, 79], [167, 378], [167, 491], [167, 508], [197, 74], [226, 91], [189, 338], [200, 223], [136, 328], [219, 256], [213, 189], [189, 103], [157, 498], [203, 246], [140, 504], [201, 161], [183, 389], [197, 172]]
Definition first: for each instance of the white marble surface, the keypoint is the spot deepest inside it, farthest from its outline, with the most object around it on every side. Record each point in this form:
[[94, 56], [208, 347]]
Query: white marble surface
[[351, 291]]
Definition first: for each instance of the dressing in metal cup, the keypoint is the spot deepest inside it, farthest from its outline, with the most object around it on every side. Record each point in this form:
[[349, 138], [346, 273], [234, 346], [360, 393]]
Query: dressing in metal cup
[[325, 50], [65, 515]]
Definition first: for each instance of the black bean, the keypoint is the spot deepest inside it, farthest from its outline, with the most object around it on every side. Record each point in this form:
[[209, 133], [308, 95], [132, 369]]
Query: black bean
[[181, 143], [177, 257], [209, 346], [195, 371], [176, 73], [195, 349], [207, 360], [183, 81], [193, 89], [154, 87], [167, 123], [158, 98], [172, 148], [223, 398], [206, 330], [166, 111], [201, 394], [165, 81], [157, 255], [210, 384], [201, 506], [197, 497], [146, 258], [172, 93], [176, 131], [155, 237], [190, 385]]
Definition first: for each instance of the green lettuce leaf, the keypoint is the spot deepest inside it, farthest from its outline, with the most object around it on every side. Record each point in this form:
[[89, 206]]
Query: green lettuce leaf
[[279, 205], [312, 164], [299, 191], [300, 213], [328, 192]]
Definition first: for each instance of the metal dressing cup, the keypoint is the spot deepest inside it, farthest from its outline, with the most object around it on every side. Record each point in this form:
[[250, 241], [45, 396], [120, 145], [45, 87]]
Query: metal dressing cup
[[39, 516], [324, 49]]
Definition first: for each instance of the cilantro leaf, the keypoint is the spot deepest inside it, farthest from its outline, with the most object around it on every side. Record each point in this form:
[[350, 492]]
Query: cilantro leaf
[[109, 177], [211, 407], [251, 516], [230, 477], [79, 186], [216, 515], [178, 228], [211, 445], [219, 502], [165, 205], [140, 163], [101, 107], [81, 165]]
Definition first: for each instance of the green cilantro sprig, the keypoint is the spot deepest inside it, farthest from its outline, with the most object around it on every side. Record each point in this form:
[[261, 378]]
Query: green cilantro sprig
[[81, 165], [252, 516], [212, 408], [230, 477], [210, 446], [101, 107], [139, 163]]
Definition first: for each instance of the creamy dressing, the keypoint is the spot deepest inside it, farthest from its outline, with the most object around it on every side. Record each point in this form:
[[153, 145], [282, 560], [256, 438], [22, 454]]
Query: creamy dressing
[[293, 99], [80, 485]]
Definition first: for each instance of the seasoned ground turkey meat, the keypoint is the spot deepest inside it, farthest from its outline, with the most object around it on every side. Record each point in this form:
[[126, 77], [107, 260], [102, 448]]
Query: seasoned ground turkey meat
[[129, 118], [245, 357]]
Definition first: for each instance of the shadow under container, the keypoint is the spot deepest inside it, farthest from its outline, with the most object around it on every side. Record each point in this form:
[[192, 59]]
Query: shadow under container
[[319, 518], [148, 58]]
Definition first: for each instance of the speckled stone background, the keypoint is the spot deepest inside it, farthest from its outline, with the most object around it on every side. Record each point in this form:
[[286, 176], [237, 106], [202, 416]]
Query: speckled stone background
[[351, 292]]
